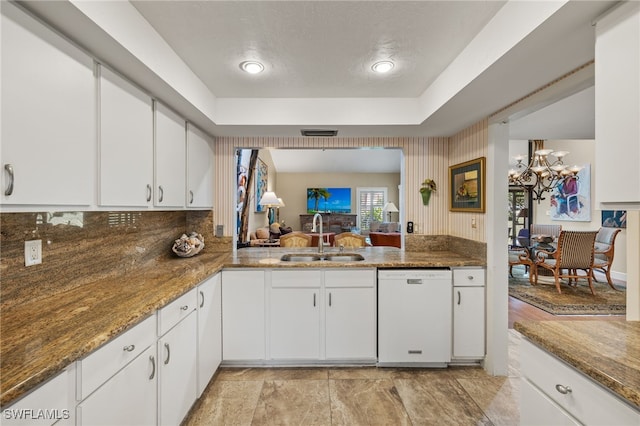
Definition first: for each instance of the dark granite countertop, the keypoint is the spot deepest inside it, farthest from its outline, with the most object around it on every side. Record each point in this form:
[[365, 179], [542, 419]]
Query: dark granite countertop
[[41, 338], [606, 351]]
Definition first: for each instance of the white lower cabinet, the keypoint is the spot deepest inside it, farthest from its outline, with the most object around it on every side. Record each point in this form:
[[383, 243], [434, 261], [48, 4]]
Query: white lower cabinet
[[554, 392], [52, 402], [243, 320], [350, 301], [177, 373], [128, 398], [468, 314], [294, 329], [209, 330]]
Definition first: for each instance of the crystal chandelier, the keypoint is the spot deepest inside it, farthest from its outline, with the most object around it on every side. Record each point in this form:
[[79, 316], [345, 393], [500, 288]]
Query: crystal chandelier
[[541, 174]]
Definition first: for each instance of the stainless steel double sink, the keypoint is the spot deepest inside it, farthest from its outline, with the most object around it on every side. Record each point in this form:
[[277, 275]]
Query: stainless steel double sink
[[316, 257]]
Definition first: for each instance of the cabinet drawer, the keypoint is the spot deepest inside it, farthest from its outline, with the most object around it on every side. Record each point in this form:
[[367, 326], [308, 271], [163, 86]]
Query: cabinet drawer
[[350, 278], [107, 360], [468, 277], [175, 311], [588, 402], [297, 279]]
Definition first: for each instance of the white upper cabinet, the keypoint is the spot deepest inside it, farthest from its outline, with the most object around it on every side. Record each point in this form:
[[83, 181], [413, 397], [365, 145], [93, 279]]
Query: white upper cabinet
[[48, 116], [170, 158], [617, 76], [126, 143], [199, 169]]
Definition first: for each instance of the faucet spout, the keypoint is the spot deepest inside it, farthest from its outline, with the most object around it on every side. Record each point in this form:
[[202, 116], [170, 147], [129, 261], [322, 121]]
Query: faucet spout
[[320, 239]]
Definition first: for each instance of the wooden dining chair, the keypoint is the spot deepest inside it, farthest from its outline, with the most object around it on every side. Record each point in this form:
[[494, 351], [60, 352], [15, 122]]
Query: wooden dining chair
[[575, 252], [604, 250], [295, 239], [350, 240]]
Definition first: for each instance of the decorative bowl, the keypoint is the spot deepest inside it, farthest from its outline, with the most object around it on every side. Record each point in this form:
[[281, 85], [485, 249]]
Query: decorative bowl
[[188, 245]]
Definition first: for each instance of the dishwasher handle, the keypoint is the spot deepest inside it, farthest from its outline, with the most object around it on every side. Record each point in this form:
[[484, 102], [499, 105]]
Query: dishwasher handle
[[414, 280]]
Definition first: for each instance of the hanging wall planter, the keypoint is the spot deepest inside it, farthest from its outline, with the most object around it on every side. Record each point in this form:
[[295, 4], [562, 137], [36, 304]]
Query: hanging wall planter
[[428, 186]]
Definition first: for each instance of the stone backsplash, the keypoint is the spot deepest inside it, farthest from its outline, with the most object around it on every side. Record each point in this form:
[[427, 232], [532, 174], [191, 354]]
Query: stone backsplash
[[81, 247]]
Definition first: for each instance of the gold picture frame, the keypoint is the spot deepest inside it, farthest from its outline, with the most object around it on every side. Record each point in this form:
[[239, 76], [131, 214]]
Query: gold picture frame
[[467, 186]]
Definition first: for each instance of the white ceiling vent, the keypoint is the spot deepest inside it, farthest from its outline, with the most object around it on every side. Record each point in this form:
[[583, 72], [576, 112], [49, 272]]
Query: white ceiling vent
[[319, 132]]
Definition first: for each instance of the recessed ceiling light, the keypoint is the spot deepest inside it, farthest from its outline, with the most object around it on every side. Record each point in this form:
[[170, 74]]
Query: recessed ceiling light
[[382, 66], [252, 67]]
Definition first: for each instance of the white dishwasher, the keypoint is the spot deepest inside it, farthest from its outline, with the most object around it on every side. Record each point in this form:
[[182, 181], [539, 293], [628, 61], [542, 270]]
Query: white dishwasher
[[414, 317]]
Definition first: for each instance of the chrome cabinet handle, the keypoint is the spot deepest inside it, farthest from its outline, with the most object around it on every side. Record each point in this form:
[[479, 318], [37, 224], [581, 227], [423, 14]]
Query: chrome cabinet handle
[[314, 299], [191, 197], [329, 299], [414, 352], [161, 195], [563, 389], [459, 297], [184, 308], [148, 192], [153, 364], [9, 169], [414, 281], [129, 348], [166, 361], [202, 304]]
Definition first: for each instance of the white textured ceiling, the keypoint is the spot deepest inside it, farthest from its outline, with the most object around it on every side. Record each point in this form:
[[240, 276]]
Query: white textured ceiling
[[314, 49]]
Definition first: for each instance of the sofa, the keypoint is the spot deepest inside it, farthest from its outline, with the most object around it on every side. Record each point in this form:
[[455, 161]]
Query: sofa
[[392, 239]]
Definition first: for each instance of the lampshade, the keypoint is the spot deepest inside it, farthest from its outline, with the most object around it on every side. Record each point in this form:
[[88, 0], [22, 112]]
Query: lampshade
[[269, 199], [281, 202], [390, 208]]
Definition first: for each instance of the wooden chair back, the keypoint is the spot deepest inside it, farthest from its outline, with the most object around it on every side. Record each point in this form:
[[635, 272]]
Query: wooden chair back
[[295, 239], [350, 240]]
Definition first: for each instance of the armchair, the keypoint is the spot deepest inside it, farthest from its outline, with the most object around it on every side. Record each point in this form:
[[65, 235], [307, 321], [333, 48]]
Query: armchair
[[603, 252], [575, 251]]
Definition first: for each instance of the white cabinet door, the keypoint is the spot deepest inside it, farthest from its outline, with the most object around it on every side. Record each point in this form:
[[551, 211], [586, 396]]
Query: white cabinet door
[[170, 158], [617, 108], [468, 322], [295, 323], [48, 116], [209, 330], [350, 301], [128, 398], [199, 169], [177, 385], [126, 143], [537, 409], [243, 315], [56, 399]]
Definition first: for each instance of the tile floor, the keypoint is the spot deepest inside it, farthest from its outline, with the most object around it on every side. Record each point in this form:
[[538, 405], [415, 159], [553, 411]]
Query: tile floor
[[361, 396]]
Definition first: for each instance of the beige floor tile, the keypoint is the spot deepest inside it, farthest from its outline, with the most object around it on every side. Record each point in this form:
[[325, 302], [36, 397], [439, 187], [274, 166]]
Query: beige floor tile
[[340, 373], [227, 403], [439, 402], [232, 373], [498, 397], [415, 373], [296, 373], [467, 372], [293, 402], [366, 402]]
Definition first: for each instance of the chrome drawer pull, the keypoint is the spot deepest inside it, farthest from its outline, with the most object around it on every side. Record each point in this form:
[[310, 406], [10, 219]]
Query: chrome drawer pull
[[184, 308], [129, 348], [414, 281], [563, 389], [153, 364], [161, 193], [9, 169], [470, 277], [148, 192], [166, 346], [415, 352], [202, 304]]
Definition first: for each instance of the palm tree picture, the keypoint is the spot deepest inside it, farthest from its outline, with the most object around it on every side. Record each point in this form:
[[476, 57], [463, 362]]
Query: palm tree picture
[[315, 194]]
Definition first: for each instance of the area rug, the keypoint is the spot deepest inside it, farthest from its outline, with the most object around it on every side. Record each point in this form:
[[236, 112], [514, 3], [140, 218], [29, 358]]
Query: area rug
[[573, 300]]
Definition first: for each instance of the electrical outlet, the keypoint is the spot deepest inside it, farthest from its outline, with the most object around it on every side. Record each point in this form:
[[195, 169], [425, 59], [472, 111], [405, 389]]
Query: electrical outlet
[[32, 252], [219, 231], [473, 222]]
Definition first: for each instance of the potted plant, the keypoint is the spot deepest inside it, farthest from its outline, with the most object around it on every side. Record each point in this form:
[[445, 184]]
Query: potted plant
[[428, 186]]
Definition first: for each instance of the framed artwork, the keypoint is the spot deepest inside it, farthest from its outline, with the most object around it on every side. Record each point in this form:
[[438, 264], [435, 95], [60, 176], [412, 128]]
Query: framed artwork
[[467, 186], [614, 218], [261, 184], [571, 198]]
